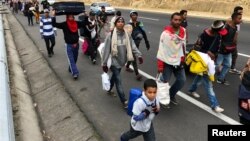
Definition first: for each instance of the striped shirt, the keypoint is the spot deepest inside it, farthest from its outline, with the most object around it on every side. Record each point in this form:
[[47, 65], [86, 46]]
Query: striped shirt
[[46, 28]]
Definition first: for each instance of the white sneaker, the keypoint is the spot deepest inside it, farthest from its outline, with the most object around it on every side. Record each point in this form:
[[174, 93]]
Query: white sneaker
[[218, 109], [194, 94]]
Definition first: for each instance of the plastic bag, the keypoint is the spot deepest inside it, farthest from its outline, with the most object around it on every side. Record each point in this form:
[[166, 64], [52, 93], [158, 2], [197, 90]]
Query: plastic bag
[[105, 82], [162, 91]]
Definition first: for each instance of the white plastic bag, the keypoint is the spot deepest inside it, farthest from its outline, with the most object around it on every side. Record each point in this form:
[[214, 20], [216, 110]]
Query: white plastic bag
[[101, 51], [162, 91], [105, 81]]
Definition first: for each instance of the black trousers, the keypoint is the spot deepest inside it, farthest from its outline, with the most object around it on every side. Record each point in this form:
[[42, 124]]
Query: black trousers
[[50, 43], [134, 63], [234, 58]]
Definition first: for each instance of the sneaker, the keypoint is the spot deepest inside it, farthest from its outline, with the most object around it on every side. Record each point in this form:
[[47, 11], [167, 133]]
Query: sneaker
[[218, 109], [174, 101], [138, 77], [129, 70], [235, 71], [194, 94], [224, 82], [125, 104], [94, 61], [111, 93], [75, 76]]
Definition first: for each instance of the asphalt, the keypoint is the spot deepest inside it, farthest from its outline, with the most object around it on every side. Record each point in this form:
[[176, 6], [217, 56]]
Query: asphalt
[[185, 122]]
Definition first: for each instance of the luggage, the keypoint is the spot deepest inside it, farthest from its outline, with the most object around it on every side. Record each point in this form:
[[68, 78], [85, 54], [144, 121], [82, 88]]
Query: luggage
[[134, 94], [64, 8]]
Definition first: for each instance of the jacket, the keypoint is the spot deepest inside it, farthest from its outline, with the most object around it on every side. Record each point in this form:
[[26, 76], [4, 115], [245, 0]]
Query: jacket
[[200, 63]]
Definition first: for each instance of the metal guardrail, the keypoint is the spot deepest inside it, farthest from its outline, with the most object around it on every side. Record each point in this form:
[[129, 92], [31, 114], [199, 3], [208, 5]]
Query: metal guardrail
[[6, 117]]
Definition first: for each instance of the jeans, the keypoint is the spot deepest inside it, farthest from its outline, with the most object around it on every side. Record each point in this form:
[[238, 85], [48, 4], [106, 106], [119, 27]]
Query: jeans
[[208, 87], [116, 79], [131, 134], [72, 53], [49, 40], [225, 60], [180, 76]]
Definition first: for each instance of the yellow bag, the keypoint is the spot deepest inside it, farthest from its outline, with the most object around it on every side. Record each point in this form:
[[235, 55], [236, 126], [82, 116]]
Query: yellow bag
[[197, 65]]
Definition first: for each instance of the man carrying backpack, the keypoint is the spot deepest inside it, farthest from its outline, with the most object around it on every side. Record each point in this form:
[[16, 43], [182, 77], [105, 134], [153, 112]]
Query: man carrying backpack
[[138, 33], [228, 45]]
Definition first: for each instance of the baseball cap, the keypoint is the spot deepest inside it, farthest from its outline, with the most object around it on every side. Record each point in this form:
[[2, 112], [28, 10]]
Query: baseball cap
[[46, 11]]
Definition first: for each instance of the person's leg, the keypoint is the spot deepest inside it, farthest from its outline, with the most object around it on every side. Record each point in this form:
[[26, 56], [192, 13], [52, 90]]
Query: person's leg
[[32, 20], [210, 91], [234, 58], [71, 59], [29, 21], [179, 82], [135, 66], [227, 59], [53, 42], [218, 63], [196, 82], [118, 83], [131, 134], [150, 135], [47, 46]]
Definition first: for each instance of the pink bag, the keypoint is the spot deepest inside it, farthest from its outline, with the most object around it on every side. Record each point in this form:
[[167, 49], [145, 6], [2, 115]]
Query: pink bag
[[85, 47]]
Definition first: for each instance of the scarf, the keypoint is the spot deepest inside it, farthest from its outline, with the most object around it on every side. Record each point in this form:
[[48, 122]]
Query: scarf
[[72, 24], [114, 51]]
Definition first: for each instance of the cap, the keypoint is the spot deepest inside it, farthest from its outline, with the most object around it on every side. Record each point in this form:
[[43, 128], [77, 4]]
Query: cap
[[118, 19], [46, 11], [133, 12], [219, 26]]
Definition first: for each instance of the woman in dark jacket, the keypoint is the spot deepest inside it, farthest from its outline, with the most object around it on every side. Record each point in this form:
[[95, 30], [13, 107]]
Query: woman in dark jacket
[[70, 30]]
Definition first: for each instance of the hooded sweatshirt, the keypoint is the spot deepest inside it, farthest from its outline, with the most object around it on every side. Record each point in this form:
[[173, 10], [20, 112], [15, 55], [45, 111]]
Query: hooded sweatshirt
[[121, 58]]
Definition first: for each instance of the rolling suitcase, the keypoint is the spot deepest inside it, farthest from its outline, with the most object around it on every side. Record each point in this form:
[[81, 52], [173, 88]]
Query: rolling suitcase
[[64, 8]]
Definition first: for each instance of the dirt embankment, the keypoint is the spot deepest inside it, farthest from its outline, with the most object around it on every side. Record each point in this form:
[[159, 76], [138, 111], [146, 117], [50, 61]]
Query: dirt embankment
[[221, 8]]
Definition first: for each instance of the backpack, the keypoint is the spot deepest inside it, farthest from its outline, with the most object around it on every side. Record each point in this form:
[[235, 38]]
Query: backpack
[[226, 46], [134, 94]]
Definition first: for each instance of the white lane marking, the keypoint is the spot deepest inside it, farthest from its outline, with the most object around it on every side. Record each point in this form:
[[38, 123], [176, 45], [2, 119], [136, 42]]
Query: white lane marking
[[198, 103], [149, 18], [244, 55], [194, 101]]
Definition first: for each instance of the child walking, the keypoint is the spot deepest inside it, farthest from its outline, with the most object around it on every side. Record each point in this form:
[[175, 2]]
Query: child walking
[[144, 110]]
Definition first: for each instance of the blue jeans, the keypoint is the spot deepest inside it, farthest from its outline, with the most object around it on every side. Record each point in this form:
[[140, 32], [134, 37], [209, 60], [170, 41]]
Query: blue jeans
[[225, 60], [72, 53], [208, 87], [180, 76], [131, 134], [116, 79]]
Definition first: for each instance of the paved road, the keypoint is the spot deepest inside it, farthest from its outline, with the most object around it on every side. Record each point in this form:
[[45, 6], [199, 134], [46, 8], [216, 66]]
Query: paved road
[[186, 122]]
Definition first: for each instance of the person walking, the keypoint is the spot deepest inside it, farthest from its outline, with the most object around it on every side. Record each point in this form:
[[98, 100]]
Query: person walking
[[71, 37], [209, 41], [228, 45], [171, 55], [37, 12], [48, 32], [144, 110], [102, 19], [138, 33], [120, 46], [237, 9]]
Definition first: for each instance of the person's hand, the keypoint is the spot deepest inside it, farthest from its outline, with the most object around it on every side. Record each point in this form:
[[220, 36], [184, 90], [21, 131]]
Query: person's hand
[[55, 32], [147, 112], [53, 13], [211, 55], [147, 45], [105, 68], [42, 36], [140, 60]]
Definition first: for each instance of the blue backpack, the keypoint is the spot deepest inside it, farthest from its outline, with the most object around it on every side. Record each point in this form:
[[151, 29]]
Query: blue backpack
[[134, 94]]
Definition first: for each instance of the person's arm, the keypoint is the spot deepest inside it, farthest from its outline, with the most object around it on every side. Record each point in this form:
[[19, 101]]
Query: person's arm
[[135, 50], [107, 50], [139, 111], [54, 23], [144, 35]]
